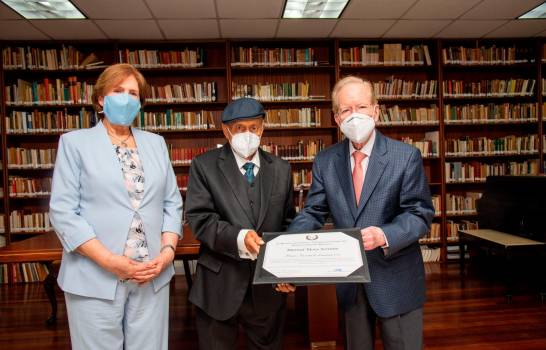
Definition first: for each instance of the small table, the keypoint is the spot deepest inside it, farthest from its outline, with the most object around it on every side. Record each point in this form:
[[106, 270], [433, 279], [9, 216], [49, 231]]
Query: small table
[[509, 245]]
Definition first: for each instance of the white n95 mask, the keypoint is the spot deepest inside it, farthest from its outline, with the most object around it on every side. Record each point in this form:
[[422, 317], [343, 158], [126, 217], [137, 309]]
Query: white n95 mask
[[245, 144], [357, 127]]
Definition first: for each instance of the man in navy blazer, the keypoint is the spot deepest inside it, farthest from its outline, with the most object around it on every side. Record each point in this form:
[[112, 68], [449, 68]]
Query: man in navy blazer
[[377, 184]]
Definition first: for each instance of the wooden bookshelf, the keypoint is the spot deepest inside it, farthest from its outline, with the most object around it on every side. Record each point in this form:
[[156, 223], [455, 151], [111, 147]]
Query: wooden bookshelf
[[293, 79]]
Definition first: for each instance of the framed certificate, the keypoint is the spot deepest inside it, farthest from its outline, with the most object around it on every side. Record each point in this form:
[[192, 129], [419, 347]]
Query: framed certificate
[[313, 257]]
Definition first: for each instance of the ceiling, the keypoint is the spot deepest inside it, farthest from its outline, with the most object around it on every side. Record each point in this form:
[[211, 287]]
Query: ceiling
[[209, 19]]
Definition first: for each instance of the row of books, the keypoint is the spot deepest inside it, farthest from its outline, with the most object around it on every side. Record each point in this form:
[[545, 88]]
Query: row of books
[[31, 158], [461, 204], [302, 178], [405, 89], [386, 54], [183, 93], [293, 117], [25, 158], [187, 58], [453, 227], [23, 273], [430, 254], [273, 91], [31, 122], [489, 88], [490, 113], [479, 146], [397, 115], [487, 55], [300, 151], [428, 146], [182, 181], [54, 92], [433, 236], [184, 155], [23, 187], [27, 221], [283, 56], [459, 172], [67, 57], [2, 229], [175, 120]]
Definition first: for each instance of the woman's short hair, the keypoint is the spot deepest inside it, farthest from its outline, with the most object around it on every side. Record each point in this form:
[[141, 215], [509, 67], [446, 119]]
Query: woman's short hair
[[113, 76], [351, 79]]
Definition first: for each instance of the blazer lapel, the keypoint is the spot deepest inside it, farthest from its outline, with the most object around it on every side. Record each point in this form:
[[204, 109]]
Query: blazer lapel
[[376, 166], [107, 155], [343, 166], [228, 167], [267, 172]]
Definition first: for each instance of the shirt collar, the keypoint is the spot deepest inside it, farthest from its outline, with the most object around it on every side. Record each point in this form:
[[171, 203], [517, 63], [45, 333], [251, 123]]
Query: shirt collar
[[242, 161], [366, 149]]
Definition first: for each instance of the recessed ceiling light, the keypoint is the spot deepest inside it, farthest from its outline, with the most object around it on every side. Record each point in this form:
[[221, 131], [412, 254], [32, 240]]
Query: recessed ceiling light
[[38, 9], [314, 8], [537, 12]]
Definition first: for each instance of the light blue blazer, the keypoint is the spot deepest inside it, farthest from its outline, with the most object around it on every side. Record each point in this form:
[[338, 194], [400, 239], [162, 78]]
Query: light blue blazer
[[89, 200]]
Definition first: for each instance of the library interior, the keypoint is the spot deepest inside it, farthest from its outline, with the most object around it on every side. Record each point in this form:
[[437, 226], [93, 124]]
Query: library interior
[[461, 83]]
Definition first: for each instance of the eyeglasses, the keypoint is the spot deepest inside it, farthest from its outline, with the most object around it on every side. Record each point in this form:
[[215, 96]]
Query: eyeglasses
[[344, 111]]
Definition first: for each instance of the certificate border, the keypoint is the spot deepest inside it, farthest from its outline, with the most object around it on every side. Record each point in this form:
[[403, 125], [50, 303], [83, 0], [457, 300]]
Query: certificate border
[[361, 275]]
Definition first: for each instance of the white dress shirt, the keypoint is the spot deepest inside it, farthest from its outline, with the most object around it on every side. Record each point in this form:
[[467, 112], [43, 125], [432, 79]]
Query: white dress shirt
[[241, 247]]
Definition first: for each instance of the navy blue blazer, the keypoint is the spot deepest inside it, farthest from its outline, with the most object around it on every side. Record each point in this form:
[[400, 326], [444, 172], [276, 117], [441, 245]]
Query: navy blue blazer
[[89, 200], [396, 198]]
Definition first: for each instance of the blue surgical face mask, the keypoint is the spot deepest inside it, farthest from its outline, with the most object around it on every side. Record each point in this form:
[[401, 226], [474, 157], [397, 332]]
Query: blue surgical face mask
[[121, 108]]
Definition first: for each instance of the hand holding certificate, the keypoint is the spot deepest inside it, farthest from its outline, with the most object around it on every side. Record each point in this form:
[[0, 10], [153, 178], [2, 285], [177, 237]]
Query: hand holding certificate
[[334, 256]]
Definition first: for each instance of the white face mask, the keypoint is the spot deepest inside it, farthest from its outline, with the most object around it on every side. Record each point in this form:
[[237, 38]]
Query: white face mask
[[357, 127], [245, 144]]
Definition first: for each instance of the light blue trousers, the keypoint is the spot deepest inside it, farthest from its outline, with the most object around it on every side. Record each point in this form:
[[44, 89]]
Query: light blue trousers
[[138, 318]]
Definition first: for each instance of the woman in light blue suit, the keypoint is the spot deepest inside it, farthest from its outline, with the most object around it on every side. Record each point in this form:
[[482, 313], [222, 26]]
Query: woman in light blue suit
[[117, 211]]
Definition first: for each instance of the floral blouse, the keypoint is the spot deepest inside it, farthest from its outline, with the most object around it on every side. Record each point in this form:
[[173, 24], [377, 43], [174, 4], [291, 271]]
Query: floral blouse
[[136, 247]]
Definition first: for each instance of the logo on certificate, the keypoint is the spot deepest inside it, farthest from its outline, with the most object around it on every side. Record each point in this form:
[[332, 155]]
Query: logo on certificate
[[311, 237]]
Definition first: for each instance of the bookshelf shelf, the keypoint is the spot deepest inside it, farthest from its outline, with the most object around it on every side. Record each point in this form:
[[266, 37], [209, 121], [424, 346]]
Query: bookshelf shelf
[[19, 71], [488, 98], [503, 155], [431, 125], [49, 105], [455, 123], [29, 196], [489, 66], [379, 67], [185, 104], [455, 215], [287, 69], [36, 134], [171, 70]]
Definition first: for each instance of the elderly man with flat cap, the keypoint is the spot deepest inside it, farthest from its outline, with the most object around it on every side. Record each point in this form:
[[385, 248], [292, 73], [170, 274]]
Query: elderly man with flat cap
[[234, 193]]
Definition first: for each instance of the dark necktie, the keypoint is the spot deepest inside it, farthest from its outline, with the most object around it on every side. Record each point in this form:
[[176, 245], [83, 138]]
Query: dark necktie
[[249, 171]]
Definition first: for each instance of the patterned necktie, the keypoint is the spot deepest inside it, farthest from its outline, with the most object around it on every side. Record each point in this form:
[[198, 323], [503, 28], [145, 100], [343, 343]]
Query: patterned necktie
[[358, 174], [249, 171]]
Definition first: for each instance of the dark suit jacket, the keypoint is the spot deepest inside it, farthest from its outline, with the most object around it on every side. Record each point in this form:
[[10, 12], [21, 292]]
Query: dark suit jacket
[[216, 211], [396, 198]]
